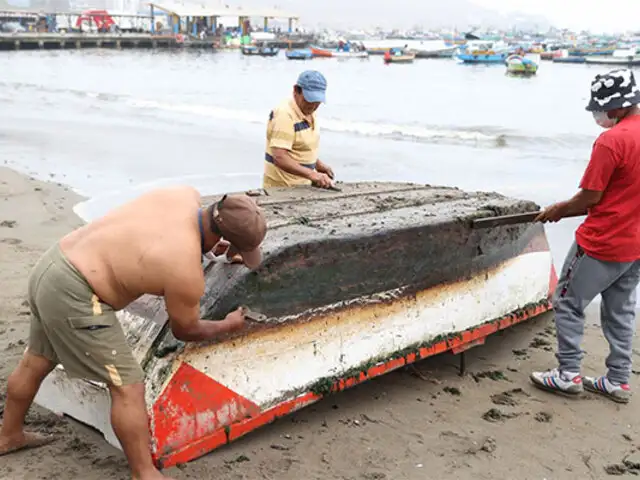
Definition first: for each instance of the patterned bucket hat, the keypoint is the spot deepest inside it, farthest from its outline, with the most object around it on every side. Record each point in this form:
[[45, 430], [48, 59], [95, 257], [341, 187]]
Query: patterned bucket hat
[[616, 89]]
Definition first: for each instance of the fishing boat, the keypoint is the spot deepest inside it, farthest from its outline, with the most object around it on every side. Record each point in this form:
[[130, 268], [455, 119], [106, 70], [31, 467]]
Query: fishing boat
[[263, 51], [433, 49], [569, 59], [383, 275], [350, 54], [484, 52], [523, 64], [320, 52], [551, 54], [400, 58], [330, 53], [589, 50], [301, 54], [623, 57]]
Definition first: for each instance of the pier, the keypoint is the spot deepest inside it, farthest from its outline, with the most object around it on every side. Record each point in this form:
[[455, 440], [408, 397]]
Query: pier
[[56, 41]]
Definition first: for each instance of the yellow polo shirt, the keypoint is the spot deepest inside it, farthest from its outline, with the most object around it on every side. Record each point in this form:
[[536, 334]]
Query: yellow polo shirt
[[290, 129]]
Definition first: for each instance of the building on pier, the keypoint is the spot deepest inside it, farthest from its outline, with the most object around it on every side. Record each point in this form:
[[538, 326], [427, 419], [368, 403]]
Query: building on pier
[[191, 18]]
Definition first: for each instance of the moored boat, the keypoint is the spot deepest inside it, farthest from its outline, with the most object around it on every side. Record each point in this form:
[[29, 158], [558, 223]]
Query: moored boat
[[383, 275], [350, 54], [433, 49], [588, 50], [301, 54], [550, 55], [262, 51], [330, 53], [569, 59], [320, 52], [400, 58], [623, 57], [483, 52], [523, 64], [482, 57]]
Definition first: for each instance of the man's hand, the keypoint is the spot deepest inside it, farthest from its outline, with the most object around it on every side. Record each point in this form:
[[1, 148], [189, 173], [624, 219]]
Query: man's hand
[[324, 168], [322, 180], [221, 248], [234, 321], [553, 213]]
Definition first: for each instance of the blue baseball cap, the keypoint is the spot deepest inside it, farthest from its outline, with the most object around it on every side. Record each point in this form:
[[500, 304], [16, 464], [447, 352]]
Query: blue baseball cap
[[313, 85]]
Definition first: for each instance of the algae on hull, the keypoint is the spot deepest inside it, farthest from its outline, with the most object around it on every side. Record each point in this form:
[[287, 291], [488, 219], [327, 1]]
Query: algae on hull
[[325, 385]]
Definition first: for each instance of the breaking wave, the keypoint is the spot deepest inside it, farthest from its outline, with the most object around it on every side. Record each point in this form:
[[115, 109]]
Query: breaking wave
[[478, 136]]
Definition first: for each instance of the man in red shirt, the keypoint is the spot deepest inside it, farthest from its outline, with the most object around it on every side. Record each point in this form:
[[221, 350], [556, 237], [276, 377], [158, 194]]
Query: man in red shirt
[[605, 257]]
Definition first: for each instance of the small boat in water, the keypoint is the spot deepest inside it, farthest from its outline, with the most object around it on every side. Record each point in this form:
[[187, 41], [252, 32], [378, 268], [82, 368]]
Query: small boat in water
[[483, 52], [627, 57], [383, 275], [301, 54], [331, 53], [591, 50], [350, 54], [526, 64], [433, 49], [262, 51], [569, 59], [399, 58]]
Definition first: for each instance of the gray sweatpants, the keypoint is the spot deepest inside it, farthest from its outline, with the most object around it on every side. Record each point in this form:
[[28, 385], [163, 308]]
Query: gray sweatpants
[[581, 280]]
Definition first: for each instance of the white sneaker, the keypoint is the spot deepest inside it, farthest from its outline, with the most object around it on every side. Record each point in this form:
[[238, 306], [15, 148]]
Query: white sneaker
[[602, 385], [558, 382]]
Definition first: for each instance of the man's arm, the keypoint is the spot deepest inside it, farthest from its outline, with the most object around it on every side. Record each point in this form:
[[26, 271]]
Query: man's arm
[[182, 299], [281, 143], [283, 161], [594, 182]]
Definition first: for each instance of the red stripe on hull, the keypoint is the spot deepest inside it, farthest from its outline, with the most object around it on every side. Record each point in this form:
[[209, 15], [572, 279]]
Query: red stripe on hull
[[194, 407], [191, 395]]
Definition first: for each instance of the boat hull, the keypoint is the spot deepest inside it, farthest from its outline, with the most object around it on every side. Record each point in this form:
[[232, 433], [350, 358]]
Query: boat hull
[[440, 53], [382, 276], [400, 59], [519, 65], [320, 52], [569, 60], [348, 55], [256, 52], [298, 54], [482, 58], [623, 61]]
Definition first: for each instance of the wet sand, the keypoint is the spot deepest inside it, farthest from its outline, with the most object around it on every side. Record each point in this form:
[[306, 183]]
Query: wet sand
[[422, 422]]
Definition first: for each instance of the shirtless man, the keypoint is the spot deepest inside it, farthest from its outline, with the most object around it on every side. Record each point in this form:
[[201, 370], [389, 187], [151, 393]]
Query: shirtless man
[[153, 244]]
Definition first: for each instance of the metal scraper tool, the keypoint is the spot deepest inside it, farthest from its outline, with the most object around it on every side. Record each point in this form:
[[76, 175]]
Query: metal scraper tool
[[253, 316]]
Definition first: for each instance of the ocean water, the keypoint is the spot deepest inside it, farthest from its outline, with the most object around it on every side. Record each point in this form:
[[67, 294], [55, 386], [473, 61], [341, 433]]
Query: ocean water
[[114, 123]]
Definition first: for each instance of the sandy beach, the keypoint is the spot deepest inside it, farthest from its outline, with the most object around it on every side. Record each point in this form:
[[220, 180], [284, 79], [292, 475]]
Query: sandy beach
[[422, 422]]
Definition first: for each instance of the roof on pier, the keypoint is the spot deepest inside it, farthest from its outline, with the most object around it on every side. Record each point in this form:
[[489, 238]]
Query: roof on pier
[[199, 10]]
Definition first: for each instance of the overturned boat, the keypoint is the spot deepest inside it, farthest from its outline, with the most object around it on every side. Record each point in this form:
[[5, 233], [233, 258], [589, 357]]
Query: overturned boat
[[355, 283]]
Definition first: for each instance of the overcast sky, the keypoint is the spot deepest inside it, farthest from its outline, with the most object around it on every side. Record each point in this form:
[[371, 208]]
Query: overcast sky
[[600, 15], [592, 14]]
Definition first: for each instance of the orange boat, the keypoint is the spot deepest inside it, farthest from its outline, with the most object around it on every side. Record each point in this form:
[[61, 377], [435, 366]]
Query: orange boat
[[320, 52]]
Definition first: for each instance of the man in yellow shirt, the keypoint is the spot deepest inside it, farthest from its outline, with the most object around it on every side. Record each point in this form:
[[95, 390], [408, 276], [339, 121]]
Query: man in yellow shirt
[[291, 156]]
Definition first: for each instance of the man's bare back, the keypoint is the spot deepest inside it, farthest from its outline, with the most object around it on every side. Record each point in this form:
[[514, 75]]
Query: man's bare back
[[153, 244], [137, 248]]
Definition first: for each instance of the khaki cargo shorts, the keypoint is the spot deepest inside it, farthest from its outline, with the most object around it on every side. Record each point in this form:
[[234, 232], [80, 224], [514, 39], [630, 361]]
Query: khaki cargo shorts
[[71, 326]]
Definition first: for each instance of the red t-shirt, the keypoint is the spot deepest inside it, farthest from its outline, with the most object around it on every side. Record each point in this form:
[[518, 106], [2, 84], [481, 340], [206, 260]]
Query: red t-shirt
[[611, 231]]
